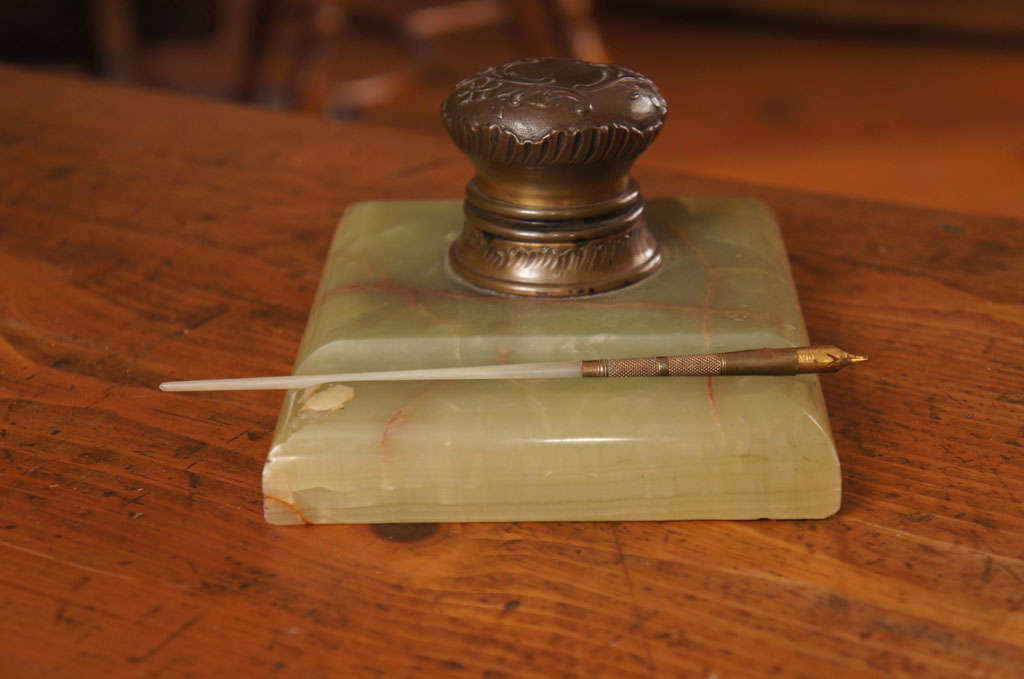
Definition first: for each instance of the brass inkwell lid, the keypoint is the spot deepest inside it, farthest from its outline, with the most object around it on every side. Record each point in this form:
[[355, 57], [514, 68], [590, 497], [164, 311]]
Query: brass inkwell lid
[[552, 210]]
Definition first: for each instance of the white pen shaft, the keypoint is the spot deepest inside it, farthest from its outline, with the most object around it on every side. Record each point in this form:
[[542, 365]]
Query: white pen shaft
[[519, 371]]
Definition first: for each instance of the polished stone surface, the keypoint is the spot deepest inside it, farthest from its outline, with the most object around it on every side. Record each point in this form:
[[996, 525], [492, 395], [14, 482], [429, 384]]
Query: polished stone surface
[[727, 447]]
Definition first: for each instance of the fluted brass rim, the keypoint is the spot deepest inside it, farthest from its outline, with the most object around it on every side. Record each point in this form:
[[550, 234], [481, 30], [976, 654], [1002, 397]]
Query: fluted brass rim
[[536, 231], [557, 268], [495, 206], [523, 289]]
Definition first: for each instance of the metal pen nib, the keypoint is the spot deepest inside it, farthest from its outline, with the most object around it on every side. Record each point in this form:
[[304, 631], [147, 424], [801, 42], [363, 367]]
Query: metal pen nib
[[825, 359]]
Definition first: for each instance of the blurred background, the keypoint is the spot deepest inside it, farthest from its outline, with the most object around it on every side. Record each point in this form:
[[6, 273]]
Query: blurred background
[[911, 101]]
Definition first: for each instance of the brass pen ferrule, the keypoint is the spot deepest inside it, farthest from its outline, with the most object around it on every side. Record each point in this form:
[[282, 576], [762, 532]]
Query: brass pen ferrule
[[784, 361]]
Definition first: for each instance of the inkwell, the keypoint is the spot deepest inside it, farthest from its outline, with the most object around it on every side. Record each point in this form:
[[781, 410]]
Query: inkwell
[[555, 258]]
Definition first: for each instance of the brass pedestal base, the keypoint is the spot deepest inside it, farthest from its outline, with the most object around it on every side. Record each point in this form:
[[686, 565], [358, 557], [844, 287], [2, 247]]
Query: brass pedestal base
[[557, 251]]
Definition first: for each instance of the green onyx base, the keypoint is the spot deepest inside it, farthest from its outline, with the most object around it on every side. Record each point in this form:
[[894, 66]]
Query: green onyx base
[[586, 449]]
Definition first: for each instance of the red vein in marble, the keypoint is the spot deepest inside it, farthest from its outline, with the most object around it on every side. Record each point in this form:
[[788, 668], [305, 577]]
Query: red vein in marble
[[416, 302], [400, 415], [386, 431], [711, 274], [292, 507], [387, 287]]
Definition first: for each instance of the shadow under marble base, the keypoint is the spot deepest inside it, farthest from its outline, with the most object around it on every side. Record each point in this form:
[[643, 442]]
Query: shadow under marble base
[[612, 449]]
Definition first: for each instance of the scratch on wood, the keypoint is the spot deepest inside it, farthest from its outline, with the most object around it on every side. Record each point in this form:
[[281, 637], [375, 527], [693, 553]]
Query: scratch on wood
[[999, 559], [217, 312], [168, 639], [236, 436], [103, 396], [182, 417], [64, 562]]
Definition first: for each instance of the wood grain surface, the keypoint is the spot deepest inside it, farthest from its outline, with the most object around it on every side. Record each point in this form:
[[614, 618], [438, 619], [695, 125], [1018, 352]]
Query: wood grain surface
[[146, 237]]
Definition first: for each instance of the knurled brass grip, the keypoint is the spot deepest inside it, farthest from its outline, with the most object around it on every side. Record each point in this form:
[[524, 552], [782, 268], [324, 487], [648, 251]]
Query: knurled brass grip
[[659, 366], [785, 361], [552, 210]]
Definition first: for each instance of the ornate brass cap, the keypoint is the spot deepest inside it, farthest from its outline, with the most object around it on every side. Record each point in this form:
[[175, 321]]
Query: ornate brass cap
[[552, 210]]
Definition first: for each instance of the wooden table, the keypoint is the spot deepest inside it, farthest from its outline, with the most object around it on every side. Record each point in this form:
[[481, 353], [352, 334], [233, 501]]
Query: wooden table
[[145, 237]]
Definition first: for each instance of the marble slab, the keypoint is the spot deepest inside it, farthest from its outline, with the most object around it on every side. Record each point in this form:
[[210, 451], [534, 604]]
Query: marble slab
[[628, 449]]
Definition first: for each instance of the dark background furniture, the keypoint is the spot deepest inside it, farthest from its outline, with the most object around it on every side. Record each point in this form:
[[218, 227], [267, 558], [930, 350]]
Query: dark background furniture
[[909, 101]]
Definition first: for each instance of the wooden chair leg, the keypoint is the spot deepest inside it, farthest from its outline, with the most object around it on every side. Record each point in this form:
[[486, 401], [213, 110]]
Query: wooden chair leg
[[257, 41], [117, 41], [535, 29], [578, 30], [559, 28]]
